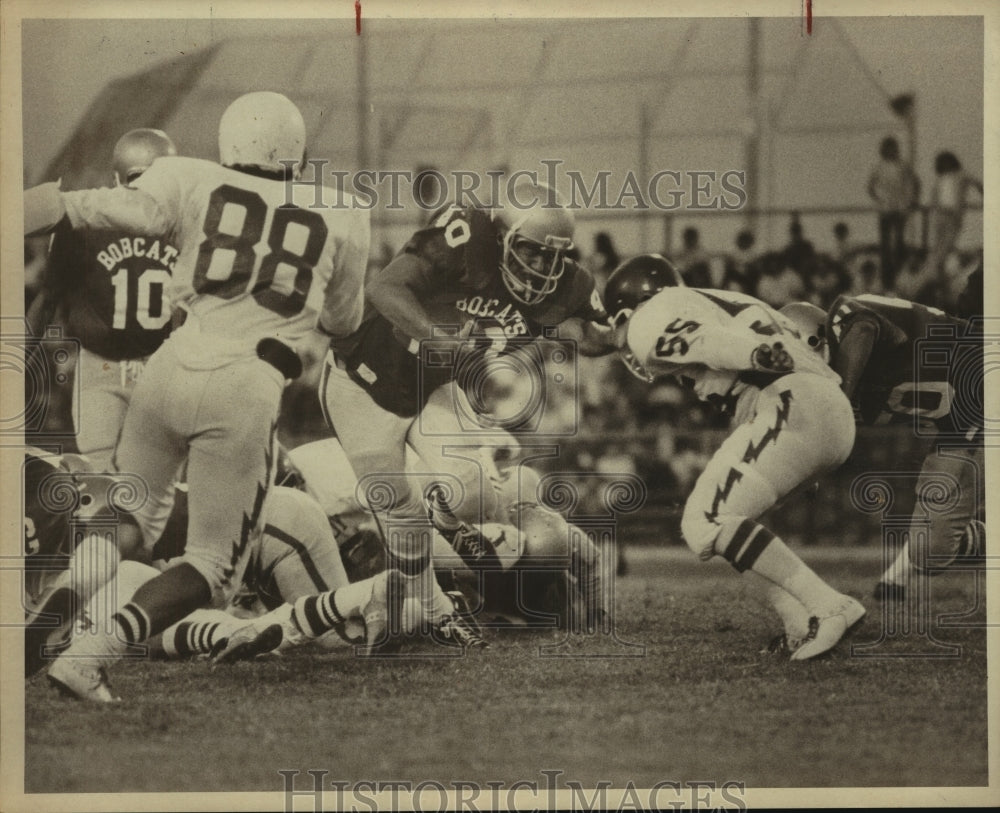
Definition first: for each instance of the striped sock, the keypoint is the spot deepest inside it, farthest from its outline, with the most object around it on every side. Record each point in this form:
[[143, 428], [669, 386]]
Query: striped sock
[[747, 544], [133, 624], [753, 547], [316, 615], [193, 638]]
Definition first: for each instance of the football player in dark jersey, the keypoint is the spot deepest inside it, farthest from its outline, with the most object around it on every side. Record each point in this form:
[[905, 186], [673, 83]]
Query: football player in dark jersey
[[111, 293], [905, 363], [74, 519], [476, 285]]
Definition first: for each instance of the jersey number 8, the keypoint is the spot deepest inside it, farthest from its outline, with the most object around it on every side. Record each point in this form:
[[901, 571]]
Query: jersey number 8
[[243, 257]]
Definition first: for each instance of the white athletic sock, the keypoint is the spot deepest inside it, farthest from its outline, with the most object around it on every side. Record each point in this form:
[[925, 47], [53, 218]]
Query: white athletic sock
[[899, 571]]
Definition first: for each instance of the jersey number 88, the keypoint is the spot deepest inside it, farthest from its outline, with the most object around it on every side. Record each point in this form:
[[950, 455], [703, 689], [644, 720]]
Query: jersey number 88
[[243, 257]]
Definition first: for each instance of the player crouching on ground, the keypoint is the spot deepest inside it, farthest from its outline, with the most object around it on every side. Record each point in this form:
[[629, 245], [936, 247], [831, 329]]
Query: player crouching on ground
[[527, 565], [791, 421], [292, 553]]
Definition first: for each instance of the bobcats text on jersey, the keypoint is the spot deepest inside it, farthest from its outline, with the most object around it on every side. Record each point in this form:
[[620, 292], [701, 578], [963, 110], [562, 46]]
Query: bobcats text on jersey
[[123, 248], [462, 283], [114, 290]]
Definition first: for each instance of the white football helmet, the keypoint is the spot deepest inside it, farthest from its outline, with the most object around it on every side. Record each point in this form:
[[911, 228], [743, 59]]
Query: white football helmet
[[810, 321], [261, 130], [536, 231], [136, 150]]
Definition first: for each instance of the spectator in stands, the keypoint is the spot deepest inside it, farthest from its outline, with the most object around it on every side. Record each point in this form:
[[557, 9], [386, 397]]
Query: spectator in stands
[[948, 202], [866, 280], [841, 242], [969, 303], [604, 260], [742, 270], [780, 282], [827, 280], [895, 189], [799, 253], [693, 261]]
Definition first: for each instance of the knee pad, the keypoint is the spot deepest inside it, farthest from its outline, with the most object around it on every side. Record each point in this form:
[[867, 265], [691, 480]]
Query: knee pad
[[699, 532]]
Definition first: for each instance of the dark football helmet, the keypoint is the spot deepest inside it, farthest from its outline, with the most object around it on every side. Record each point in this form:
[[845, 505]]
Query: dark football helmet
[[635, 281], [136, 150]]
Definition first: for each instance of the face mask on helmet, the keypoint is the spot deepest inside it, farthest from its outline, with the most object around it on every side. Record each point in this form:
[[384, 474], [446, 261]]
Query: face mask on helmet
[[535, 242], [136, 150], [810, 322]]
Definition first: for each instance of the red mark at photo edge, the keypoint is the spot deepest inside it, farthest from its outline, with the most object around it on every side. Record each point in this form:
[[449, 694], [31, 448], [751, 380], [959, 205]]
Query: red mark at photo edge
[[357, 17], [808, 16]]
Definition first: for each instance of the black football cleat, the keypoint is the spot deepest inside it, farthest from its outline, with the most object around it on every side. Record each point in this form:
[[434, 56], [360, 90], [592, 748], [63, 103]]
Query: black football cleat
[[461, 628], [246, 643], [889, 591]]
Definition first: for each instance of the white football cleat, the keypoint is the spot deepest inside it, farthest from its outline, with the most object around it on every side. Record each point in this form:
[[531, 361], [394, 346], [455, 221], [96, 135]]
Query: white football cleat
[[81, 678], [383, 614], [826, 631]]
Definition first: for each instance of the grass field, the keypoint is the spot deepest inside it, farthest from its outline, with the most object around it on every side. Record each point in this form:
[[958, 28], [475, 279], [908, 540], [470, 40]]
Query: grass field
[[700, 704]]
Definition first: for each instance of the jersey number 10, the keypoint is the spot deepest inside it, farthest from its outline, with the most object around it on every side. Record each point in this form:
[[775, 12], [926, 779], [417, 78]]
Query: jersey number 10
[[150, 285], [243, 257]]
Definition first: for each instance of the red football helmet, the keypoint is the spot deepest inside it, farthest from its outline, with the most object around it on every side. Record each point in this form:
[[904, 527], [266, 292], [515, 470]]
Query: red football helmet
[[136, 150]]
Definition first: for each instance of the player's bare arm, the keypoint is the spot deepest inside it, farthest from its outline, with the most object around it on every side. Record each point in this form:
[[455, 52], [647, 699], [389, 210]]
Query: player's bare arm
[[396, 294]]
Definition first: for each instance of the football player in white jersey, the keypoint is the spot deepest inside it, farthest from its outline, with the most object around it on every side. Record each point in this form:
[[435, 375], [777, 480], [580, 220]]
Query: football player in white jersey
[[791, 421], [259, 268]]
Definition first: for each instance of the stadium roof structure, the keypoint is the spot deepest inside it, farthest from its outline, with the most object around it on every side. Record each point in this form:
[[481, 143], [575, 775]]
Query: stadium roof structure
[[607, 95]]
